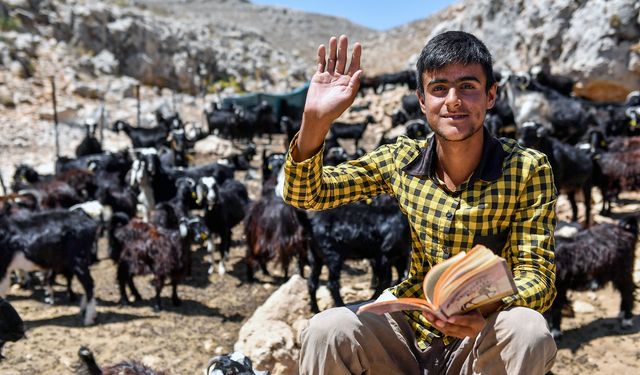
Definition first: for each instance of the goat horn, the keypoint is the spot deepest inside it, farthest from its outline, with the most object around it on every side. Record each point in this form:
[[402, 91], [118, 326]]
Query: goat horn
[[35, 193]]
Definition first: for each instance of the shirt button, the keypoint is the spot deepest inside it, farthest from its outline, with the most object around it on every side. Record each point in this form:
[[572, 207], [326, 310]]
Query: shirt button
[[449, 215]]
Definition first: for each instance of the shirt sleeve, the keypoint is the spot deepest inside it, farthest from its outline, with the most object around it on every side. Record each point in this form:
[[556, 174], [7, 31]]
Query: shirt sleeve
[[532, 240], [311, 186]]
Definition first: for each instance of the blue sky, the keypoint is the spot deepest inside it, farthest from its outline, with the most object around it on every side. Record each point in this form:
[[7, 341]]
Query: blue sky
[[375, 14]]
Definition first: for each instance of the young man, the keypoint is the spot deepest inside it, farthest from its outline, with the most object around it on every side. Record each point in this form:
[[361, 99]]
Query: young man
[[458, 188]]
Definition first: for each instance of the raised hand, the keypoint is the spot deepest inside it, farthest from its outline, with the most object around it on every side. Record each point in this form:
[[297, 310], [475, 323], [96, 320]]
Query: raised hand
[[332, 90]]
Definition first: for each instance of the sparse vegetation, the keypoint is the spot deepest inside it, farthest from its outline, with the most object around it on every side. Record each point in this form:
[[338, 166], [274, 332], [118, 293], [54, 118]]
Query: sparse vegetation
[[222, 84], [10, 23]]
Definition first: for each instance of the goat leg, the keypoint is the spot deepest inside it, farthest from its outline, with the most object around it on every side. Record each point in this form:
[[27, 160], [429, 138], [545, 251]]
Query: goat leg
[[574, 206], [84, 276], [210, 249], [159, 283], [70, 294], [225, 243], [312, 284], [334, 281], [626, 287], [174, 293], [123, 277]]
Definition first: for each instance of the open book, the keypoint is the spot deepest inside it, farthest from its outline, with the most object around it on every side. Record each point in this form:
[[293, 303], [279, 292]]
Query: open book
[[457, 285]]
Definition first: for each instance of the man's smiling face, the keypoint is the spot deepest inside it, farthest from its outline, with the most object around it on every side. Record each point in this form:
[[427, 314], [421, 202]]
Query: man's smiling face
[[455, 100]]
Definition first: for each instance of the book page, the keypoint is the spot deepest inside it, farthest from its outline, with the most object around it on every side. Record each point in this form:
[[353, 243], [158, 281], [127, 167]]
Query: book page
[[493, 284], [400, 304], [434, 274], [454, 280], [471, 263]]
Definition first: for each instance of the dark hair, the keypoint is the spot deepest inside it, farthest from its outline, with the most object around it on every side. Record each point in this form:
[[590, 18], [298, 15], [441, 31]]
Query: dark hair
[[454, 47]]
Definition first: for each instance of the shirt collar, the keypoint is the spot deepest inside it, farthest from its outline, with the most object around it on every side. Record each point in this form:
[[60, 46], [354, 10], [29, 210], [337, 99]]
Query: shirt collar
[[489, 168]]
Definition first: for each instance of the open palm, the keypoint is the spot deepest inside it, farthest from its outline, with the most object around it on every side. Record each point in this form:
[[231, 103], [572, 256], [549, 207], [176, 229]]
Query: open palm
[[332, 89]]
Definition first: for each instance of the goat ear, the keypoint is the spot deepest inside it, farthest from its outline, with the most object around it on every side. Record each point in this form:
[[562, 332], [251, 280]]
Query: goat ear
[[184, 230], [199, 193]]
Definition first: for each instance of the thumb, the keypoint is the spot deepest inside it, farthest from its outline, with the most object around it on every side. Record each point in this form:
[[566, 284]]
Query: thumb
[[354, 82]]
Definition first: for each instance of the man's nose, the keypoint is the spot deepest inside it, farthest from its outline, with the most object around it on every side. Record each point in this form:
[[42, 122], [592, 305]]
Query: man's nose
[[452, 101]]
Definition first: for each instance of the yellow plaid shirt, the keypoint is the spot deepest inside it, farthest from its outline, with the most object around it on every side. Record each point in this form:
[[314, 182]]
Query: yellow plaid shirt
[[508, 204]]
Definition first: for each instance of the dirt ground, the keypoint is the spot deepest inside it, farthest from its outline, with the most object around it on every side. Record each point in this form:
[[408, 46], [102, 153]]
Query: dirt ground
[[181, 339]]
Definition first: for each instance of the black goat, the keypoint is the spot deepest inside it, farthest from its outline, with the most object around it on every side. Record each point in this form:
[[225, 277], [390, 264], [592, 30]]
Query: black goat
[[157, 183], [572, 167], [11, 325], [61, 241], [566, 118], [276, 230], [89, 144], [225, 207], [141, 248], [256, 120], [379, 232], [143, 137], [616, 165], [234, 363], [341, 130], [88, 366], [221, 121], [417, 129], [602, 253], [291, 127], [337, 154], [379, 82]]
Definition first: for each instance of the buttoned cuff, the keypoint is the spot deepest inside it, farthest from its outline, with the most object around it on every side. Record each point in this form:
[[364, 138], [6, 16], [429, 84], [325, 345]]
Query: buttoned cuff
[[307, 162]]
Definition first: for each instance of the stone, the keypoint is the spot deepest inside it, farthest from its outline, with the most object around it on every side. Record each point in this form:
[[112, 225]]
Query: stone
[[582, 307], [87, 90], [105, 62]]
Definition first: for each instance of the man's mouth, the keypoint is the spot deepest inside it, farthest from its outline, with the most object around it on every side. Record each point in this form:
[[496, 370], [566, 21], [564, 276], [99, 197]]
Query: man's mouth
[[455, 117]]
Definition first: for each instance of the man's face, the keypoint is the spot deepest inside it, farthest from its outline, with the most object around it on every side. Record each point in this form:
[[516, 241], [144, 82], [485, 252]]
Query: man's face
[[455, 100]]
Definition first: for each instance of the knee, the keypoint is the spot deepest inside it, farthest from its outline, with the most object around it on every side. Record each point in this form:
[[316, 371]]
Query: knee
[[525, 328], [330, 326]]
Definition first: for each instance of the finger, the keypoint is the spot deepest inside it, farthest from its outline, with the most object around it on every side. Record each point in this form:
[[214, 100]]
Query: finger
[[354, 83], [321, 58], [342, 54], [354, 66], [333, 46]]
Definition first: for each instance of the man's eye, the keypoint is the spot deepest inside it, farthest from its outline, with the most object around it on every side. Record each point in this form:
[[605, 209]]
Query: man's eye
[[468, 86], [438, 88]]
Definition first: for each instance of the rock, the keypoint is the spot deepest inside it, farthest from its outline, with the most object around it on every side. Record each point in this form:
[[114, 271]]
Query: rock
[[6, 97], [87, 90], [583, 307], [105, 62], [18, 69], [66, 114], [275, 349]]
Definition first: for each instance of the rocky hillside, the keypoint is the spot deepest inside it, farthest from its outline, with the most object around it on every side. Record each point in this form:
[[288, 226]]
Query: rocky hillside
[[198, 46]]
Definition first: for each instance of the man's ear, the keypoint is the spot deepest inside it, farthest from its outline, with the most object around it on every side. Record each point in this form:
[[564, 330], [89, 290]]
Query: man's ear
[[492, 95], [423, 105]]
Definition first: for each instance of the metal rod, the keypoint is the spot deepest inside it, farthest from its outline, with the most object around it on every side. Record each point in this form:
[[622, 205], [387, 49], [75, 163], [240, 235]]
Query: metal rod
[[138, 105], [102, 120], [55, 116]]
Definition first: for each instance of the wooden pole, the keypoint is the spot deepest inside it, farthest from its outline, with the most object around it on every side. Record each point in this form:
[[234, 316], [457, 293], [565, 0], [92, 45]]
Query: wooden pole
[[55, 116], [138, 105]]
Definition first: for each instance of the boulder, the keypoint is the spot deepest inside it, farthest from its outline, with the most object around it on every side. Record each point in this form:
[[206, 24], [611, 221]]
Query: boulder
[[268, 337]]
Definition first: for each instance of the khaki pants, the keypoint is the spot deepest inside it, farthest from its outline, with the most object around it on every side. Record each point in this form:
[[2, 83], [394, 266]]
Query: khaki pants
[[337, 341]]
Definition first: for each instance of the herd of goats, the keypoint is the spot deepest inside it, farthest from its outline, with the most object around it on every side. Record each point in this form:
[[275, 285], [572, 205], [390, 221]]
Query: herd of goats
[[153, 205]]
